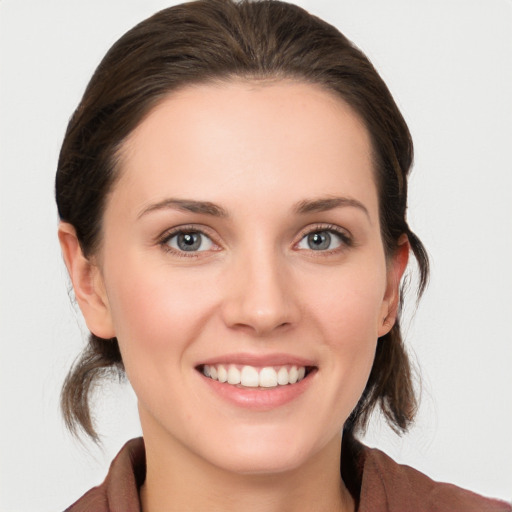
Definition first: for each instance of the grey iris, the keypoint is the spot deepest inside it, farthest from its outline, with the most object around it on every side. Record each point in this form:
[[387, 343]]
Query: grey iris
[[319, 241], [189, 241]]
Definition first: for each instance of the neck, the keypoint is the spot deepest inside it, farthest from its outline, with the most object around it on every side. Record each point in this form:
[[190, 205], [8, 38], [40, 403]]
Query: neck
[[177, 480]]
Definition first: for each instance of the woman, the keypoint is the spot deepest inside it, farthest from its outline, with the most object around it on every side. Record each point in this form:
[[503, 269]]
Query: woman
[[232, 192]]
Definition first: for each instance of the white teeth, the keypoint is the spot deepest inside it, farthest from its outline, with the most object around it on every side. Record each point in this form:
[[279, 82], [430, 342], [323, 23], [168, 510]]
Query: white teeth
[[268, 378], [251, 377], [293, 375], [282, 376], [222, 374], [233, 375]]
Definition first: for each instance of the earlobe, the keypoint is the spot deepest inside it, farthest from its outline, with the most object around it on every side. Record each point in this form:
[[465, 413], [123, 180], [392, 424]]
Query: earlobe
[[87, 284], [396, 269]]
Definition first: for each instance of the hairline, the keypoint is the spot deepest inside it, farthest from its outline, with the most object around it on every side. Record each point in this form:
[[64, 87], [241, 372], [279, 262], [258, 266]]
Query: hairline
[[258, 79]]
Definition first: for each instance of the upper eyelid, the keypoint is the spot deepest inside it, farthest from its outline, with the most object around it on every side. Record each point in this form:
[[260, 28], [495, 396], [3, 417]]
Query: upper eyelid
[[164, 238], [324, 227], [210, 233], [347, 240], [185, 228]]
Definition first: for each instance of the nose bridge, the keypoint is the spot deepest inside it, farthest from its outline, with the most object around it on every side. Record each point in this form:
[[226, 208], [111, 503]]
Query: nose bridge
[[260, 295]]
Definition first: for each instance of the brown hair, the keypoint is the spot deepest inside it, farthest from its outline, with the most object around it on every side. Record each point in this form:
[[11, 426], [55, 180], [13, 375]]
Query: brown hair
[[217, 40]]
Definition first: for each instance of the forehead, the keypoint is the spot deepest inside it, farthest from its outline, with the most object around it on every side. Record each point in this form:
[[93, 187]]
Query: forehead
[[247, 137]]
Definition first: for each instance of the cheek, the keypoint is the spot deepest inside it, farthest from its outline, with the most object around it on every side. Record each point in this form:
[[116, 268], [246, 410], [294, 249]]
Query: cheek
[[156, 310], [349, 316], [351, 334], [350, 304]]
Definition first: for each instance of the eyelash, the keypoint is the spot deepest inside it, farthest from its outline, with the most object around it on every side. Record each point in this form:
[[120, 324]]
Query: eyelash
[[164, 239], [346, 239]]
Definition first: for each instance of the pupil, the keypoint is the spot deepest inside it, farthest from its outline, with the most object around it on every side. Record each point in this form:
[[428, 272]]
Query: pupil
[[319, 241], [189, 241]]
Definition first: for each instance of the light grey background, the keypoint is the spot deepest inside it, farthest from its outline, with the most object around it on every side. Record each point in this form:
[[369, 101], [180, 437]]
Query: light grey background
[[449, 66]]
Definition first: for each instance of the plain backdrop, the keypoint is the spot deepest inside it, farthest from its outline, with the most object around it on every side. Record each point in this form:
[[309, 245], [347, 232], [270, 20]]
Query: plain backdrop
[[449, 65]]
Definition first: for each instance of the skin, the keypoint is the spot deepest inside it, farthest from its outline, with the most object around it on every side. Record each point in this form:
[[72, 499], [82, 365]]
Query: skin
[[259, 151]]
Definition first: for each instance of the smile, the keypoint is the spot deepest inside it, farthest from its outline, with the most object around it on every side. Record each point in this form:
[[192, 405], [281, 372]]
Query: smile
[[255, 377]]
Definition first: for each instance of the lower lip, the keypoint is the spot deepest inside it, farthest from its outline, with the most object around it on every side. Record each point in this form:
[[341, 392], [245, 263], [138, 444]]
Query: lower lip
[[262, 399]]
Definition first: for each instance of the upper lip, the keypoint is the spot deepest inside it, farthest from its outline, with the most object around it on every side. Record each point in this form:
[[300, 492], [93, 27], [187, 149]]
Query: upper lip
[[278, 359]]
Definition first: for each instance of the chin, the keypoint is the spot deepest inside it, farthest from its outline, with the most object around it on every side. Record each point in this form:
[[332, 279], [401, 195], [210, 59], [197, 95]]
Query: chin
[[265, 453], [262, 463]]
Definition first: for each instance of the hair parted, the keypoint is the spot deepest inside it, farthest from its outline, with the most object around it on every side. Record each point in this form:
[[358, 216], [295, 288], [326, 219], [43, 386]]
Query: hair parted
[[219, 40]]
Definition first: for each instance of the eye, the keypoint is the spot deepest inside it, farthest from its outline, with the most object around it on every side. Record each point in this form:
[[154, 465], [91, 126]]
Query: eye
[[189, 241], [322, 240]]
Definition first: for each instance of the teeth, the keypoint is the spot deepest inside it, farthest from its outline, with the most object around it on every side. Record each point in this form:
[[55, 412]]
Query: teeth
[[251, 377], [233, 375], [282, 377], [222, 373], [293, 375], [268, 378]]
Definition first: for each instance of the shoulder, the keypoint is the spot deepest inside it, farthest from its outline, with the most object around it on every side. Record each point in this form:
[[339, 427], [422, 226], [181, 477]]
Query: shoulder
[[391, 487], [94, 499], [120, 490]]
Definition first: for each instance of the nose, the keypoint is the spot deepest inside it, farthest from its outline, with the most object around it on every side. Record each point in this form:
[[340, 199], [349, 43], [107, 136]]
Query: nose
[[260, 297]]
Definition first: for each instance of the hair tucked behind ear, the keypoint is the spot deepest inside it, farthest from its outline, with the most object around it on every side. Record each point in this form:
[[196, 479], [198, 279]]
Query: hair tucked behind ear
[[212, 40]]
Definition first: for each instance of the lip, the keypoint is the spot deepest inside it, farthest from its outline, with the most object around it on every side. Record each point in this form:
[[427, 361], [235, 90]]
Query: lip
[[259, 360], [259, 399]]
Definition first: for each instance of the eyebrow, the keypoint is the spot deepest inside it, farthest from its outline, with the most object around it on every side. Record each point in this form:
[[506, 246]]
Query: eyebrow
[[324, 204], [186, 205]]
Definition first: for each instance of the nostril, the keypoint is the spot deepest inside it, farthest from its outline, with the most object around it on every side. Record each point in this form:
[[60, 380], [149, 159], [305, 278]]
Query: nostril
[[260, 303]]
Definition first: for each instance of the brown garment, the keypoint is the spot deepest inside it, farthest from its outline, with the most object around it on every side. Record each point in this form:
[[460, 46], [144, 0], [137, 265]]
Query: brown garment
[[377, 483]]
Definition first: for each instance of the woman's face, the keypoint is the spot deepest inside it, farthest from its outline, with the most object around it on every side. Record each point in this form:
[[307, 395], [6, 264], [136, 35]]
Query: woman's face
[[242, 241]]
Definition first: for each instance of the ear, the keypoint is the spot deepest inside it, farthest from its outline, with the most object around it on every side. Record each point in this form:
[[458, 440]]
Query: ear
[[87, 283], [396, 268]]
